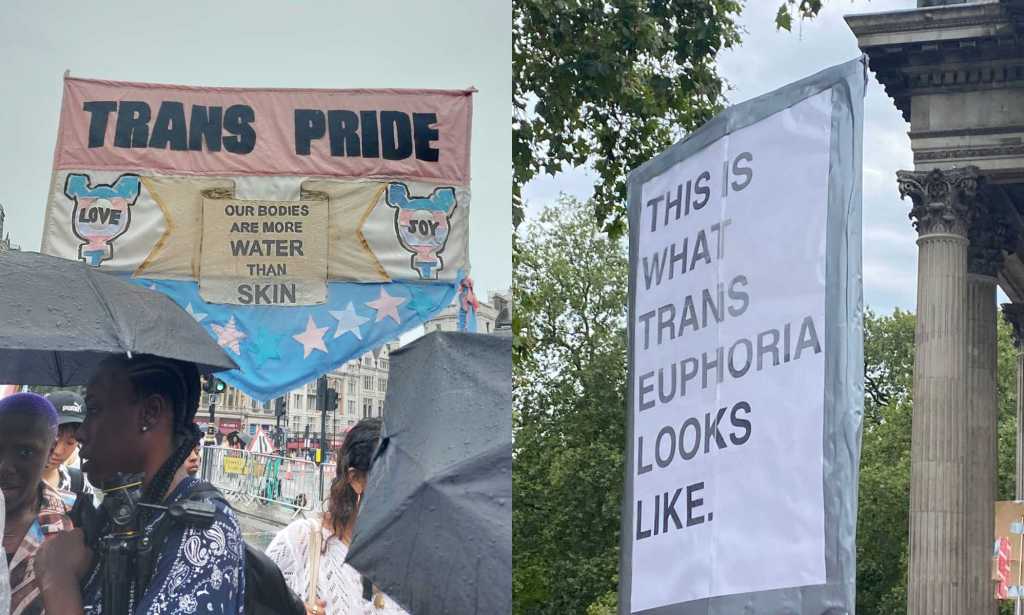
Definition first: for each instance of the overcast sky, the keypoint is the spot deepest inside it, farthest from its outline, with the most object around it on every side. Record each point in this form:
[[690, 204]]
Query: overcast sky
[[260, 43], [768, 59]]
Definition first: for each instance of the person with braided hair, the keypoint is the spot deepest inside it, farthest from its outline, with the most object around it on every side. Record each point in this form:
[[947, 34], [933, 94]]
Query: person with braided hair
[[311, 552], [139, 421]]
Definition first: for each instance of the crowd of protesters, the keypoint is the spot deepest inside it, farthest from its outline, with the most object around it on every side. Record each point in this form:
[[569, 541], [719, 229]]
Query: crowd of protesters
[[62, 455]]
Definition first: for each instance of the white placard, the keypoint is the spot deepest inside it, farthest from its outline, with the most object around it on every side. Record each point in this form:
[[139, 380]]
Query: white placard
[[729, 365]]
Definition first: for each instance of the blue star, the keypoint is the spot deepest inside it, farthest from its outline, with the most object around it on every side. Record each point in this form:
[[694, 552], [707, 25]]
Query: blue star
[[266, 347], [421, 304], [349, 321]]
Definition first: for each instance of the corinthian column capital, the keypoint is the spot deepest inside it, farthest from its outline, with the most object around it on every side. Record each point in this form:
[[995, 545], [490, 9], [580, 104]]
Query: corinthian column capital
[[990, 236], [1014, 314], [943, 200]]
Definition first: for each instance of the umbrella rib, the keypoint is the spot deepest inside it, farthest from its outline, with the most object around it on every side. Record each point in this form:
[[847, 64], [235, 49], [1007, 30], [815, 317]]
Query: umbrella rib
[[56, 365], [106, 308]]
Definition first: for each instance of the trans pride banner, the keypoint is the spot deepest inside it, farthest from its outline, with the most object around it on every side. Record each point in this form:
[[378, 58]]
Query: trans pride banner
[[301, 228]]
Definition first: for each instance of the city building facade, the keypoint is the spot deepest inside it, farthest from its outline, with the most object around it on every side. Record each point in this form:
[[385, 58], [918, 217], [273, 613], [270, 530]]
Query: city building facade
[[5, 239], [488, 316], [361, 385]]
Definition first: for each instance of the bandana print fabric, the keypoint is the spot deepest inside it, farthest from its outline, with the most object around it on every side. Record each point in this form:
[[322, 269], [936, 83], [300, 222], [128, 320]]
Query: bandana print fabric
[[198, 570]]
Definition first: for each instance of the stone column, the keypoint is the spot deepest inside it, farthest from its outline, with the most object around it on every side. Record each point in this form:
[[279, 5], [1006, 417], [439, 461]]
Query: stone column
[[942, 204], [1014, 314], [988, 236]]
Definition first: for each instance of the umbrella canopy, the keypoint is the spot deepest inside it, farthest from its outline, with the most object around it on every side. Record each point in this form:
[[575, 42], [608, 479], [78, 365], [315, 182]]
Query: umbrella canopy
[[59, 318], [434, 530], [261, 443]]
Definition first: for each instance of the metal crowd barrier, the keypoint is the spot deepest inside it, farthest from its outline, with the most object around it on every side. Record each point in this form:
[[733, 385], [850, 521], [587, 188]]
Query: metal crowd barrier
[[264, 479]]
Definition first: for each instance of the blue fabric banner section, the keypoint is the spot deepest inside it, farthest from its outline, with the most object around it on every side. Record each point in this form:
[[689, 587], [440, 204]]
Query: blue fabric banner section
[[281, 348]]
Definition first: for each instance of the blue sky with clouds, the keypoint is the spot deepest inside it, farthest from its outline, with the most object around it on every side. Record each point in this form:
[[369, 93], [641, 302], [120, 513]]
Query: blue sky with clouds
[[768, 59]]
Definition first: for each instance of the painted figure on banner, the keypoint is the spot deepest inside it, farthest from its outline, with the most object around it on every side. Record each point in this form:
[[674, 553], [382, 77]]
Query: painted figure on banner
[[101, 213], [422, 225]]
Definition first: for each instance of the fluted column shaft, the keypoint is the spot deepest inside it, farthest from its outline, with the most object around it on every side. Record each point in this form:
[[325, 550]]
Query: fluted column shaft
[[982, 438], [936, 582], [989, 237], [935, 585]]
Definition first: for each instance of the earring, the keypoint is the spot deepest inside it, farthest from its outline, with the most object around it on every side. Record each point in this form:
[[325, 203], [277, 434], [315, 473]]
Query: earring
[[144, 428]]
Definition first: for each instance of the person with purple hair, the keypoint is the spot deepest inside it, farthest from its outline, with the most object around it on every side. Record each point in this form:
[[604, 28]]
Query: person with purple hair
[[34, 510]]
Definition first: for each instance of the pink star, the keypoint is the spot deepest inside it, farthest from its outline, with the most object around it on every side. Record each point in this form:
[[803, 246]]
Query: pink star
[[386, 305], [228, 336], [312, 338]]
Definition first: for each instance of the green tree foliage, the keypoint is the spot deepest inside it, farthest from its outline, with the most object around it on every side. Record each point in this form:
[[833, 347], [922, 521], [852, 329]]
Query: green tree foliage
[[803, 9], [884, 495], [1006, 382], [568, 414], [611, 83]]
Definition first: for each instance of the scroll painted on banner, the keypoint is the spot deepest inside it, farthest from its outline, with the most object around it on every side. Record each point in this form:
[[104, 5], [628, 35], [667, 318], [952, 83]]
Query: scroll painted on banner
[[301, 228]]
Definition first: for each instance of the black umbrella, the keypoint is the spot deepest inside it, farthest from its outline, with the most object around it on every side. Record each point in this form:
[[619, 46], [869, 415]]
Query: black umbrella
[[241, 436], [59, 318], [435, 527]]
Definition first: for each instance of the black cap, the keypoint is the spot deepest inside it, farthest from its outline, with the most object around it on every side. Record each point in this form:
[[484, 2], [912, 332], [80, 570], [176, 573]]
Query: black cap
[[70, 407]]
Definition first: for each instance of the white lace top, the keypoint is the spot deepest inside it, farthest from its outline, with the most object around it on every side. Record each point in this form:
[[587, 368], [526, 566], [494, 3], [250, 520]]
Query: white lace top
[[340, 585]]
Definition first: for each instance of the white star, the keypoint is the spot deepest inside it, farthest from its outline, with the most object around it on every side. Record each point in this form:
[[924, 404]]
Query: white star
[[386, 305], [198, 316], [228, 336], [312, 338], [348, 321]]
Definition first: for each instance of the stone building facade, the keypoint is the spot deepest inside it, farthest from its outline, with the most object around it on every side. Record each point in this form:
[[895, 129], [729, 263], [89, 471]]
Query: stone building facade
[[955, 70], [488, 317]]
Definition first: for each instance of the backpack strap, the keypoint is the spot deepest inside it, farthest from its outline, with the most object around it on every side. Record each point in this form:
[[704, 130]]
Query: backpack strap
[[205, 491], [90, 519], [77, 481]]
